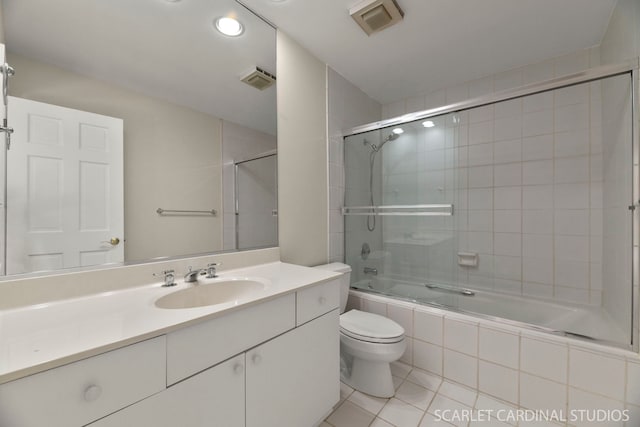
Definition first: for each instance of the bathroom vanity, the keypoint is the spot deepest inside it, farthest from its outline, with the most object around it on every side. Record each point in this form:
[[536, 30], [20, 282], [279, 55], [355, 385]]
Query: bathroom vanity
[[267, 358]]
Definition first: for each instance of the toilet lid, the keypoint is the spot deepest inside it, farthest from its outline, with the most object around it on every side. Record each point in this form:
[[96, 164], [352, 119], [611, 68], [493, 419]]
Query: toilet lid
[[370, 327]]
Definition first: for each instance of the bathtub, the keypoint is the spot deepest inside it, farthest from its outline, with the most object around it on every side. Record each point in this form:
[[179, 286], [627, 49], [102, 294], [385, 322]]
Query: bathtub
[[582, 322]]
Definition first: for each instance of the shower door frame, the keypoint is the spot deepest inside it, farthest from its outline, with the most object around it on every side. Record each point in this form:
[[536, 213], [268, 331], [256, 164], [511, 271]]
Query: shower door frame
[[236, 193], [629, 67]]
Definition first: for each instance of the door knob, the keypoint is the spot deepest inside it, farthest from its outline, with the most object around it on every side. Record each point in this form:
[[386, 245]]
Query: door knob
[[114, 241]]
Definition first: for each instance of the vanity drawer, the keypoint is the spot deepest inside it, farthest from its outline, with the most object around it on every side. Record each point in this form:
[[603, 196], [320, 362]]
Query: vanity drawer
[[78, 393], [317, 300], [198, 347]]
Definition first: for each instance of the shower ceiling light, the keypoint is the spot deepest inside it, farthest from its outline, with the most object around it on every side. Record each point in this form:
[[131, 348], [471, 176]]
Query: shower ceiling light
[[428, 124], [229, 26], [398, 131]]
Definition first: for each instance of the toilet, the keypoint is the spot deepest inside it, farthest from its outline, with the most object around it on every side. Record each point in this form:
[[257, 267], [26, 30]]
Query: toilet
[[368, 344]]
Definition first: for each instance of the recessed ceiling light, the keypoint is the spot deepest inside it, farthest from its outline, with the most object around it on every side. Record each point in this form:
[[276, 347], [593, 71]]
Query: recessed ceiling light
[[398, 131], [428, 124], [229, 26]]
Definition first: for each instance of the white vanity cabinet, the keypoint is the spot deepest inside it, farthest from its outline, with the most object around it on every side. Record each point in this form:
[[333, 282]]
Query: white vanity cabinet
[[78, 393], [213, 398], [294, 379], [198, 347], [273, 363]]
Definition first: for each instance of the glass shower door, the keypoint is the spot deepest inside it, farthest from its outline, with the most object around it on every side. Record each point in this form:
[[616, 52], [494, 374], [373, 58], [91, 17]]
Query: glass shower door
[[256, 203], [402, 240], [519, 209]]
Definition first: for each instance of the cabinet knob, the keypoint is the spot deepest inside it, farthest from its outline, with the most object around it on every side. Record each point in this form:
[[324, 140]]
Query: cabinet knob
[[322, 300], [92, 393], [238, 368], [256, 358]]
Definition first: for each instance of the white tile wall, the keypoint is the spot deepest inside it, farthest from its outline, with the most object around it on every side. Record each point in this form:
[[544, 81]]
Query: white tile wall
[[511, 367], [534, 165]]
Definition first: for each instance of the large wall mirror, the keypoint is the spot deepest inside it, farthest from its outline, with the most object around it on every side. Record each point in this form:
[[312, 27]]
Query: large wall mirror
[[135, 136]]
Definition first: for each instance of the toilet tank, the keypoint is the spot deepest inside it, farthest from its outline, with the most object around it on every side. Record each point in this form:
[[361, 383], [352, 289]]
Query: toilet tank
[[345, 280]]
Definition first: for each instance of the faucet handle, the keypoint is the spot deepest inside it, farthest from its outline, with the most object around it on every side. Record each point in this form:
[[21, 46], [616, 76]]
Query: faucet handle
[[169, 278], [211, 270]]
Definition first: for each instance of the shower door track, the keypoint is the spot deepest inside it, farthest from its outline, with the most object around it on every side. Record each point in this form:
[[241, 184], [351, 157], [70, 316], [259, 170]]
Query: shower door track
[[596, 73]]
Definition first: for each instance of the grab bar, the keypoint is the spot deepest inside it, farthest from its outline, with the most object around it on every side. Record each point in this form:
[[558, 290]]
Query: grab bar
[[413, 210], [161, 211], [451, 289]]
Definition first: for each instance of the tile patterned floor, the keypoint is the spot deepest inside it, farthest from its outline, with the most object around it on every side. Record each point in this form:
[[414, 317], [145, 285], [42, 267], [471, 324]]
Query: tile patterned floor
[[420, 396]]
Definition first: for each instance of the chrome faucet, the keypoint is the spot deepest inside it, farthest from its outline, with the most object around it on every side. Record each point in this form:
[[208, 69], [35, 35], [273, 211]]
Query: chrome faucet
[[210, 271], [192, 275]]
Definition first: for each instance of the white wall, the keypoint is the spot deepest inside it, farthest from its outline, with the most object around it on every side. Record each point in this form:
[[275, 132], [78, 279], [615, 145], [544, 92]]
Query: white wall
[[303, 231], [554, 67], [173, 158], [238, 143]]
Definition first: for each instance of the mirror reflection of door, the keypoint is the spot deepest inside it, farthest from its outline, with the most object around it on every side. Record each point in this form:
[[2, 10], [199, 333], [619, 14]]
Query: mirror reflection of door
[[256, 202], [65, 188]]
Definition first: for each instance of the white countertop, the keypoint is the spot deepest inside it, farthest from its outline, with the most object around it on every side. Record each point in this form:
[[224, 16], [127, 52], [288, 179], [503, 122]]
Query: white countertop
[[45, 336]]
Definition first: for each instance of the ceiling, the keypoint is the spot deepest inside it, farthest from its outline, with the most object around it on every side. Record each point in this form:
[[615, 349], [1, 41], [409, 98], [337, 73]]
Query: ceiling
[[440, 42], [169, 50]]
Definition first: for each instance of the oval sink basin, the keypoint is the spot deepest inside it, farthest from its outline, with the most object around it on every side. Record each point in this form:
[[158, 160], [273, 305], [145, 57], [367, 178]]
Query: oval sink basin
[[201, 295]]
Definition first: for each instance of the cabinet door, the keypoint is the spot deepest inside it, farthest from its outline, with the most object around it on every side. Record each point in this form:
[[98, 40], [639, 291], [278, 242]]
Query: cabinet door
[[86, 390], [213, 398], [293, 380]]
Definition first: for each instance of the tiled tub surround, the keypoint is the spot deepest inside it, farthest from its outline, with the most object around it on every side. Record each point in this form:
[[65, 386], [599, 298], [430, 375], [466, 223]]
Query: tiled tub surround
[[526, 178], [520, 367]]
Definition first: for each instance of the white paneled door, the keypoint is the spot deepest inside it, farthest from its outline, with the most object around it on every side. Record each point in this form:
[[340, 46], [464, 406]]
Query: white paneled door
[[64, 188]]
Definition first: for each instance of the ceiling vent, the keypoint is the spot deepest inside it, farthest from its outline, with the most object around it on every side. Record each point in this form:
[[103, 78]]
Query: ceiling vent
[[376, 15], [259, 78]]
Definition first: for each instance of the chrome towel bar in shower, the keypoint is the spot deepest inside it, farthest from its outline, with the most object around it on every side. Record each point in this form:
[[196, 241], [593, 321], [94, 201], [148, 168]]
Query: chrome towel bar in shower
[[161, 211], [414, 210], [450, 289]]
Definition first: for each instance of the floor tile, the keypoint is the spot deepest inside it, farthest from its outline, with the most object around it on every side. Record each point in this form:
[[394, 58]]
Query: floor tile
[[379, 422], [345, 391], [400, 369], [425, 379], [368, 403], [417, 396], [455, 409], [401, 414], [485, 423], [430, 420], [485, 402], [457, 392], [350, 415], [408, 408], [397, 381]]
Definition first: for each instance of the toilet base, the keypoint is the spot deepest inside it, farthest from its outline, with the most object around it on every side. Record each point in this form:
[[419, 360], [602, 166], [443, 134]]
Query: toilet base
[[372, 378]]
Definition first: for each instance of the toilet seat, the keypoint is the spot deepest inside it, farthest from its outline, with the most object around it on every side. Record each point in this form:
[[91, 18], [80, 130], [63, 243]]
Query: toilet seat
[[369, 327]]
